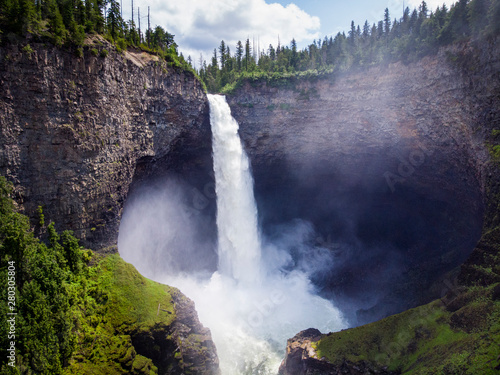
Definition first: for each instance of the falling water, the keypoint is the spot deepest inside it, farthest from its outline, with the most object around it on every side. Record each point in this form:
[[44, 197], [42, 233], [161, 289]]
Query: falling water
[[262, 306], [238, 238], [260, 296]]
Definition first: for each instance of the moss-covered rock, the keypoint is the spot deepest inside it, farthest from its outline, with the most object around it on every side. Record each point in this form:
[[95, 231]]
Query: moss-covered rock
[[142, 327]]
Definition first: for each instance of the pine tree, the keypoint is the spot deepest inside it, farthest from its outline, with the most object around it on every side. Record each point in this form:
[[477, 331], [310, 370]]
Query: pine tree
[[239, 54], [387, 22], [56, 23], [222, 54], [248, 54], [478, 13], [423, 10], [366, 30], [494, 17], [28, 20], [294, 56], [352, 34], [229, 60], [215, 66], [271, 52], [114, 19]]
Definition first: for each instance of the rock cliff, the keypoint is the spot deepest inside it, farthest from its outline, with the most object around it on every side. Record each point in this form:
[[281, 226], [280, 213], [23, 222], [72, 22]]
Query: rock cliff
[[417, 139], [74, 133], [302, 359], [73, 130], [388, 163]]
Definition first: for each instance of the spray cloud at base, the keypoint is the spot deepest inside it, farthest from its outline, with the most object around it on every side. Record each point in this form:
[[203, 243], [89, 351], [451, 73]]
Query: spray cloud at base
[[252, 293]]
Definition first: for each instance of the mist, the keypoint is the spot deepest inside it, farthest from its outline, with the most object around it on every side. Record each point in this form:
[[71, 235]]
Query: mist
[[328, 241], [253, 291]]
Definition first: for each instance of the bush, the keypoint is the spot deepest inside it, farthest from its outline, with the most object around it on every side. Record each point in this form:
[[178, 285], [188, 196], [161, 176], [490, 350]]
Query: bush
[[104, 53], [27, 48], [79, 52], [44, 275], [121, 45]]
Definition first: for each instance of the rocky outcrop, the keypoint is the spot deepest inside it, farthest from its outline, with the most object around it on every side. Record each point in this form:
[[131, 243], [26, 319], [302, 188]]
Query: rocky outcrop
[[184, 347], [383, 161], [300, 355], [302, 359], [74, 129]]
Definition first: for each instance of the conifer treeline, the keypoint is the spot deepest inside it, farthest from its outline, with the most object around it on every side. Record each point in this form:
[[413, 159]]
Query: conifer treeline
[[68, 21], [417, 33]]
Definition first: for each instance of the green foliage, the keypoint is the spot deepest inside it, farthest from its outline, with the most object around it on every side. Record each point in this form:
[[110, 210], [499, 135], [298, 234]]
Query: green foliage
[[44, 323], [67, 23], [27, 48], [73, 318], [122, 302], [121, 44], [416, 34], [104, 53], [41, 216], [494, 145], [495, 152], [79, 52]]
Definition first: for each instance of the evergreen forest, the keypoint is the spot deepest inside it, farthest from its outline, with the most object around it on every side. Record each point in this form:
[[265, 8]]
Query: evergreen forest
[[419, 32]]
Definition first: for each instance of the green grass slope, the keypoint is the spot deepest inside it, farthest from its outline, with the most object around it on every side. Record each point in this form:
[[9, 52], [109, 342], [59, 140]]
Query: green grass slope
[[454, 335]]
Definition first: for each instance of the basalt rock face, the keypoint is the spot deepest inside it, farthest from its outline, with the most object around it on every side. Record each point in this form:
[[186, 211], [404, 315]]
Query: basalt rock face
[[387, 163], [73, 131]]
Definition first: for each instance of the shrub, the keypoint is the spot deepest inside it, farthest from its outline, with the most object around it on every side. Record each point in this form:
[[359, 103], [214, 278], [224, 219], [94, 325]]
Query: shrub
[[27, 48], [121, 45], [79, 52]]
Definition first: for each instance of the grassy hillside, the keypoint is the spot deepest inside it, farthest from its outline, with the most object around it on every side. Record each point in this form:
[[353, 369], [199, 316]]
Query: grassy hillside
[[455, 335]]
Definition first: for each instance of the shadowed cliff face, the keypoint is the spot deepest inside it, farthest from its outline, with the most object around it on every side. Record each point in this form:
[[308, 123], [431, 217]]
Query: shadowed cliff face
[[385, 165], [74, 129]]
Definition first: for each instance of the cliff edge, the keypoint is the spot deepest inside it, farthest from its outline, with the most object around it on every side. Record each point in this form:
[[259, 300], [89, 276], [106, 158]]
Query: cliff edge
[[73, 129]]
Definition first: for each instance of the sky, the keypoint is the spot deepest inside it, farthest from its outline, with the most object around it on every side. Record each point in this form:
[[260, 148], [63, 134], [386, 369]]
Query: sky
[[200, 25]]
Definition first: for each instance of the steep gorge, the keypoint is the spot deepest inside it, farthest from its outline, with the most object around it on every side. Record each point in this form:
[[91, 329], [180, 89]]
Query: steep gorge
[[387, 163]]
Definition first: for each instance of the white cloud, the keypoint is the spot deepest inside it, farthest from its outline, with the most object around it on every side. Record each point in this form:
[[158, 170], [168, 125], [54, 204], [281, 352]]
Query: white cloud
[[200, 25]]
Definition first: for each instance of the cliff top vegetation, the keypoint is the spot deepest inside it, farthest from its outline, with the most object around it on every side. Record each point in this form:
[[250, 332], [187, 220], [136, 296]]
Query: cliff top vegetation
[[419, 32], [68, 24]]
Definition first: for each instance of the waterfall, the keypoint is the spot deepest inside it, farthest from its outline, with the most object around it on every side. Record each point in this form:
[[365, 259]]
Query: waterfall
[[260, 295], [238, 237], [260, 307]]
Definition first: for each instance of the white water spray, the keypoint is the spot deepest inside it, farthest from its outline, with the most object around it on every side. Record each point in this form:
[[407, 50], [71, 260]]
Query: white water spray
[[251, 304]]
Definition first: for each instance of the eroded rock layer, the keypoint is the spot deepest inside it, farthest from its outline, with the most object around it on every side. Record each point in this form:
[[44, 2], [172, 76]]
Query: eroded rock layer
[[74, 129]]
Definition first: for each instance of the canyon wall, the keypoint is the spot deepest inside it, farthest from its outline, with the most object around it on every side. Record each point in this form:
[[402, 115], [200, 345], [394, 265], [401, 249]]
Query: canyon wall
[[420, 139], [387, 163], [74, 130]]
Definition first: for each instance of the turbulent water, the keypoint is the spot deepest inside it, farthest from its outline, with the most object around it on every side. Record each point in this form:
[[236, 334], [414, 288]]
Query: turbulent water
[[260, 294]]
